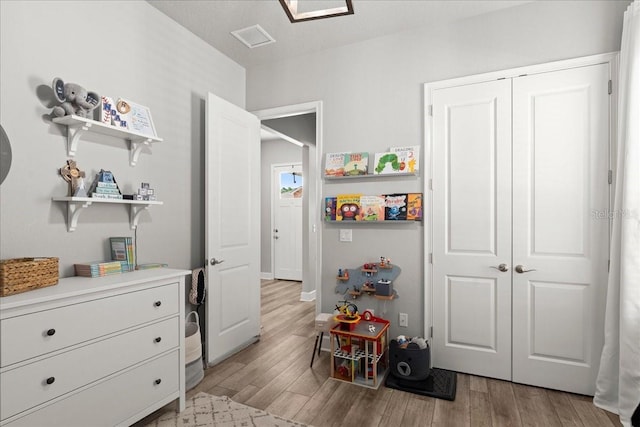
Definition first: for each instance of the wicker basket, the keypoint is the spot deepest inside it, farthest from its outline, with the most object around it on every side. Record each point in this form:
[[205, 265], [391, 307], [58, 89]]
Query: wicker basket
[[25, 274]]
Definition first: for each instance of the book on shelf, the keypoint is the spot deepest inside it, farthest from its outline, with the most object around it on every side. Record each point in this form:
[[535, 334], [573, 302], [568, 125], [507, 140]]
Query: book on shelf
[[122, 250], [150, 265], [348, 207], [372, 208], [356, 164], [334, 164], [408, 158], [330, 208], [414, 207], [395, 207], [99, 268]]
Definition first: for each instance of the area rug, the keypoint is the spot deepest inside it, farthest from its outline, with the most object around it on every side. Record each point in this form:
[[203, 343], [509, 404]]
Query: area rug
[[205, 410]]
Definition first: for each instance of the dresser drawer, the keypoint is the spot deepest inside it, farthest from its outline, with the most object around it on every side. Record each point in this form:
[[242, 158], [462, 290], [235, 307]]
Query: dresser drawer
[[113, 401], [31, 335], [35, 383]]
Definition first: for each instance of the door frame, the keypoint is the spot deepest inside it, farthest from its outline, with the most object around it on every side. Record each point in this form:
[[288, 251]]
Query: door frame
[[273, 187], [610, 58], [311, 218]]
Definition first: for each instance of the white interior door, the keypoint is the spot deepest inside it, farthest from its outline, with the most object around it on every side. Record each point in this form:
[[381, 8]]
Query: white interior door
[[287, 221], [232, 191], [472, 228], [560, 168]]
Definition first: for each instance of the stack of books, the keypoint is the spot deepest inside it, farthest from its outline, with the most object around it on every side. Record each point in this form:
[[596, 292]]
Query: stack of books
[[122, 250], [99, 268], [106, 190]]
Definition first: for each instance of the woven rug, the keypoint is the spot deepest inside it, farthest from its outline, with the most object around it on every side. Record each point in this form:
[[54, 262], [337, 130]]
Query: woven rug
[[205, 410]]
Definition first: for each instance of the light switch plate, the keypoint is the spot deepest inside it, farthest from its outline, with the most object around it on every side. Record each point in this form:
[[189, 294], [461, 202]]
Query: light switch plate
[[346, 235]]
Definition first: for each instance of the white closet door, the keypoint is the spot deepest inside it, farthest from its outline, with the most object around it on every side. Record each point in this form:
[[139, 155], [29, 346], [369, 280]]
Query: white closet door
[[560, 191], [472, 228]]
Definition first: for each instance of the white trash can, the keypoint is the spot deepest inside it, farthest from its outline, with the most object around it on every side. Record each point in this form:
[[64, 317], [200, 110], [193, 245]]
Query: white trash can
[[194, 367]]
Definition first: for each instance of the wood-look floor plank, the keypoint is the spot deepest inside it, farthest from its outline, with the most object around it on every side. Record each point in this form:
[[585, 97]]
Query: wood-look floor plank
[[312, 379], [589, 414], [394, 412], [503, 405], [563, 408], [457, 412], [480, 408], [478, 384], [369, 409], [419, 412], [317, 403], [534, 407], [338, 405], [287, 404], [245, 394]]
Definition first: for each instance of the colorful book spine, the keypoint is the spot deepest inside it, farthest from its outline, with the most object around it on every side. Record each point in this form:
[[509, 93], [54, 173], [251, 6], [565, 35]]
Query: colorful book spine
[[330, 204]]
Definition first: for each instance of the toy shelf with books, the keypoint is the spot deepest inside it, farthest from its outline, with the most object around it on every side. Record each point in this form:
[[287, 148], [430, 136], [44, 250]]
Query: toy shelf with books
[[395, 162], [373, 209]]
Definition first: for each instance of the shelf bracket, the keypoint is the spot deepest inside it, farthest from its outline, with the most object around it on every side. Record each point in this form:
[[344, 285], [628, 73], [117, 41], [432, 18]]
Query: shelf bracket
[[73, 213], [74, 132], [135, 149], [134, 215]]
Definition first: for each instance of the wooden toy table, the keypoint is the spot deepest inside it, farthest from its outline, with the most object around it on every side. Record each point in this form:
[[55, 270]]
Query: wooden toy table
[[359, 353]]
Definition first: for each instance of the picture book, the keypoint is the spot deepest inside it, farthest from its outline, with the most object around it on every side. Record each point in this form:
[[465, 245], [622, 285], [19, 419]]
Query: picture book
[[408, 157], [122, 250], [356, 164], [334, 164], [414, 207], [395, 207], [386, 163], [372, 208], [348, 207], [330, 208], [99, 268]]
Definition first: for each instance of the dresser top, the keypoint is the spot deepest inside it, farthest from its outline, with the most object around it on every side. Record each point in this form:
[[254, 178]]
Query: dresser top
[[69, 287]]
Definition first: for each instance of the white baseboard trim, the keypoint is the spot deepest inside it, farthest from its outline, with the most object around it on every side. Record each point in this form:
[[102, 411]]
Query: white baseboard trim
[[308, 296], [266, 276]]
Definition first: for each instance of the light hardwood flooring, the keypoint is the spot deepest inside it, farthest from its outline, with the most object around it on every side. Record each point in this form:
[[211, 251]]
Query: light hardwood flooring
[[274, 375]]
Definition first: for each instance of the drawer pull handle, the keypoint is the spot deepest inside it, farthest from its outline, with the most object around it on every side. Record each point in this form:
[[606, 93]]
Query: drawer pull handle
[[51, 332], [51, 380], [158, 381], [158, 339], [157, 303]]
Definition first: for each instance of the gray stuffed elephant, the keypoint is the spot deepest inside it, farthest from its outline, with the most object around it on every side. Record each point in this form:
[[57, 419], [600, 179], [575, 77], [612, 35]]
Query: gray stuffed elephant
[[74, 98]]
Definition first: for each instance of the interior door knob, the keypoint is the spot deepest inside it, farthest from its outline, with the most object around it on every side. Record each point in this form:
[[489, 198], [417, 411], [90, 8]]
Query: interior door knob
[[520, 269], [216, 261], [502, 267]]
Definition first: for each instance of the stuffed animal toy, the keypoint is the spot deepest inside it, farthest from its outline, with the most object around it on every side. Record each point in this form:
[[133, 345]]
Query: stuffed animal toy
[[74, 99]]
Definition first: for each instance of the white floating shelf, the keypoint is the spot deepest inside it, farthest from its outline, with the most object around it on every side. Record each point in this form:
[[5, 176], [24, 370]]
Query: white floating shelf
[[78, 126], [369, 176], [75, 205]]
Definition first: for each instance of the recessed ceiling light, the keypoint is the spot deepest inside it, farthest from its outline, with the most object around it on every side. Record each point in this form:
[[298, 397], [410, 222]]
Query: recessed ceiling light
[[299, 10], [253, 36]]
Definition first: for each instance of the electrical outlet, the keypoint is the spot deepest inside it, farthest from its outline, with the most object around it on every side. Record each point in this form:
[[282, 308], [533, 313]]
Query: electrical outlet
[[403, 319]]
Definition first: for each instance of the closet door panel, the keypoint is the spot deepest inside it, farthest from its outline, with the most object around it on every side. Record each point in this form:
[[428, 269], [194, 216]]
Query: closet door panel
[[472, 228], [560, 165]]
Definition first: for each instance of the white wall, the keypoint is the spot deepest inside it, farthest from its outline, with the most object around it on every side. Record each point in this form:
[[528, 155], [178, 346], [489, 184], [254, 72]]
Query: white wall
[[372, 99], [116, 48]]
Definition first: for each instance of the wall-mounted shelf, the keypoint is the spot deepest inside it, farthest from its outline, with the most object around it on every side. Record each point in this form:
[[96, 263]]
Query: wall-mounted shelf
[[78, 126], [75, 206], [369, 176]]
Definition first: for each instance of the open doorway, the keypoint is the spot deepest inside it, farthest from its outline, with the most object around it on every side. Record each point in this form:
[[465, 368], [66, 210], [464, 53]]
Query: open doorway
[[294, 122]]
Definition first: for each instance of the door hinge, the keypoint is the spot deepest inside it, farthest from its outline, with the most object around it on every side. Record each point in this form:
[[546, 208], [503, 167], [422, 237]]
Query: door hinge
[[610, 87], [610, 176], [431, 258], [431, 110], [430, 184], [431, 332], [608, 266]]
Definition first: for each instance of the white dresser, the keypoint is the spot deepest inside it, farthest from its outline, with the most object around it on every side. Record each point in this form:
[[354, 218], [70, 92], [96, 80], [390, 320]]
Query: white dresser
[[93, 351]]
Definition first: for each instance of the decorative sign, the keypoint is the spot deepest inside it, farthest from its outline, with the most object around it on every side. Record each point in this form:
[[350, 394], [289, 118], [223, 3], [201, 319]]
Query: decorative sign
[[138, 117]]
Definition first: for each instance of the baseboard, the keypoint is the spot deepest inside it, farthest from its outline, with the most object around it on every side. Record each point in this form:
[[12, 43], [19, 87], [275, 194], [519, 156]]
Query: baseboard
[[308, 296], [266, 276]]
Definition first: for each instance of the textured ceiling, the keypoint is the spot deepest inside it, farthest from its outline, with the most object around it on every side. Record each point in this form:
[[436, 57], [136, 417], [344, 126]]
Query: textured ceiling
[[213, 21]]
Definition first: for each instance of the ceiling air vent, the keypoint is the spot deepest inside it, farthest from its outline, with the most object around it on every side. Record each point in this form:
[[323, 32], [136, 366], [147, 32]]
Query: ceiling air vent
[[253, 36]]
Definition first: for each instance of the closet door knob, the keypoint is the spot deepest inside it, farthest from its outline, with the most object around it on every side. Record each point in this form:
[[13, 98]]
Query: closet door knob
[[51, 380], [501, 267], [51, 332], [158, 339], [157, 303], [520, 269], [158, 381]]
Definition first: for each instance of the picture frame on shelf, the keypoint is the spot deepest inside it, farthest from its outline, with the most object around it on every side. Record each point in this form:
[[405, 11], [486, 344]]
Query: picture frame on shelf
[[138, 117]]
